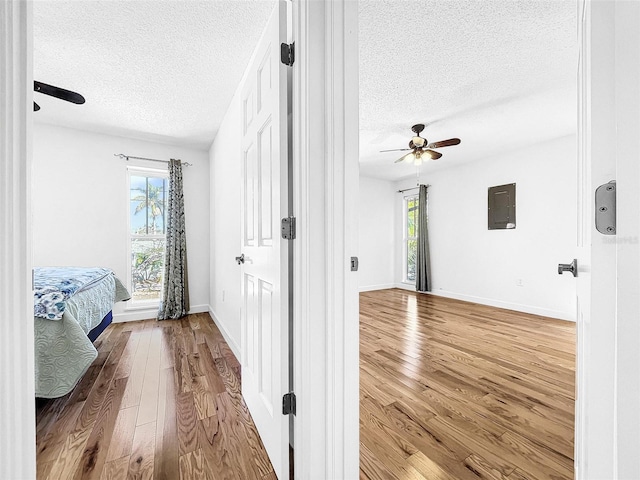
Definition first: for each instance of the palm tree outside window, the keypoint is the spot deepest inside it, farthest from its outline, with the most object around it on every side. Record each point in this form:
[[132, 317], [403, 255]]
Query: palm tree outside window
[[147, 215]]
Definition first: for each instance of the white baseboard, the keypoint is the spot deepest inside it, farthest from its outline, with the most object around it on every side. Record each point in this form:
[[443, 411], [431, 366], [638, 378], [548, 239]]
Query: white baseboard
[[199, 308], [369, 288], [150, 313], [545, 312], [229, 339], [405, 286]]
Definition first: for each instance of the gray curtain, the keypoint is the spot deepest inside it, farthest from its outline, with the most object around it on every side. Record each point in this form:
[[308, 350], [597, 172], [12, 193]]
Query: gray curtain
[[423, 264], [175, 298]]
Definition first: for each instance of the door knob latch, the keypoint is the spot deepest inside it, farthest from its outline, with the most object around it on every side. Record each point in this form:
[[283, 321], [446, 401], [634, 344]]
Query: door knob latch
[[240, 259], [569, 267]]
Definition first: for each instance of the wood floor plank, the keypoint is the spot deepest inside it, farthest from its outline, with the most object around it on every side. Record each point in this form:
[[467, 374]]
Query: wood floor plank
[[95, 453], [484, 469], [123, 431], [69, 458], [430, 469], [167, 448], [136, 377], [128, 355], [149, 395], [207, 363], [49, 449], [193, 465], [243, 459], [115, 469], [203, 397], [229, 378], [168, 348], [254, 448], [141, 460], [82, 390], [214, 449], [187, 418], [181, 361]]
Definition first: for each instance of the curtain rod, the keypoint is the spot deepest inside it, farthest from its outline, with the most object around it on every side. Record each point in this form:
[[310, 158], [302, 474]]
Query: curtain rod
[[412, 188], [127, 157]]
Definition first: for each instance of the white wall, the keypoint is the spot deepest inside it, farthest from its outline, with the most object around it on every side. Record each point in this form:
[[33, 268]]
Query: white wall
[[225, 160], [376, 225], [80, 204], [473, 263]]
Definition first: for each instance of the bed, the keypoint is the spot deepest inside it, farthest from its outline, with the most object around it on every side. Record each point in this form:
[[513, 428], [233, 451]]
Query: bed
[[72, 306]]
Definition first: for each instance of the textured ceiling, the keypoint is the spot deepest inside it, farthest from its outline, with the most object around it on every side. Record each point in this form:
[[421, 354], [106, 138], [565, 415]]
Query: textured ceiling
[[162, 70], [497, 74]]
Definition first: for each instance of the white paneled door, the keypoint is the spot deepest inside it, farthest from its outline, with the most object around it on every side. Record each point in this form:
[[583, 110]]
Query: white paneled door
[[264, 314]]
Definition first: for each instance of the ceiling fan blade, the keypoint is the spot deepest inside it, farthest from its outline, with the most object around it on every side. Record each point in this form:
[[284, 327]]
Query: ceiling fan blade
[[58, 92], [36, 107], [433, 154], [444, 143], [396, 150]]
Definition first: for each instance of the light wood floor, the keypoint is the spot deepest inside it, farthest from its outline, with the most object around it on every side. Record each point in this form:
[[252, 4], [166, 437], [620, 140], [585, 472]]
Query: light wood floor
[[453, 390], [162, 400]]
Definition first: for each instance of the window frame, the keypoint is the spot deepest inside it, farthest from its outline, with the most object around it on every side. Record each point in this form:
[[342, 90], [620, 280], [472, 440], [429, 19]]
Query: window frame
[[140, 172], [405, 236]]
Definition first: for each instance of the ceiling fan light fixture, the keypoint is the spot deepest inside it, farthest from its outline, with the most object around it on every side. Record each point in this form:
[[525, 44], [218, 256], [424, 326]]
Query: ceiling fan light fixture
[[418, 161], [409, 157], [418, 142]]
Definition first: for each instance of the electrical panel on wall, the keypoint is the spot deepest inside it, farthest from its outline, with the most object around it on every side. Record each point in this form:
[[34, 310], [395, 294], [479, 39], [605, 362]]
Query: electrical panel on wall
[[502, 207]]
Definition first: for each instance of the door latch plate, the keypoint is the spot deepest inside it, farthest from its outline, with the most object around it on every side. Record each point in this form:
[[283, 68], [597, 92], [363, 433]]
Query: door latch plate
[[354, 264], [606, 208]]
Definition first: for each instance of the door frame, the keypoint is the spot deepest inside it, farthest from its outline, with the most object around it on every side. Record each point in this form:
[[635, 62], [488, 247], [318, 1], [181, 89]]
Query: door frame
[[607, 420], [325, 177], [17, 406]]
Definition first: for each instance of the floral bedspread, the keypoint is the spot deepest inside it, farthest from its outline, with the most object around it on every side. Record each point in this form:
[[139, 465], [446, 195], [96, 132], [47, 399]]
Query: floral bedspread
[[53, 286]]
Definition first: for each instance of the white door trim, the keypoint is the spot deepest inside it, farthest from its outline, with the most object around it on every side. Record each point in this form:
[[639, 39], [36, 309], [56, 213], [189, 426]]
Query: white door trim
[[325, 129], [607, 436], [17, 410], [627, 99]]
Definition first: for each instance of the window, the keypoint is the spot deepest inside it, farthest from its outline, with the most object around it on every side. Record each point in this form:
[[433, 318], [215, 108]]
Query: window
[[410, 237], [147, 217]]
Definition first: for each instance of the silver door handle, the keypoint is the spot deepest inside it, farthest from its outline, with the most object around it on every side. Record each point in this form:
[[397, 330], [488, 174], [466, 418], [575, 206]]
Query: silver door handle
[[240, 259], [569, 267]]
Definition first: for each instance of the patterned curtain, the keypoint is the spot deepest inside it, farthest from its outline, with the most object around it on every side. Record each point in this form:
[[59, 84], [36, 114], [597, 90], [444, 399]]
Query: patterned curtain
[[175, 298], [423, 264]]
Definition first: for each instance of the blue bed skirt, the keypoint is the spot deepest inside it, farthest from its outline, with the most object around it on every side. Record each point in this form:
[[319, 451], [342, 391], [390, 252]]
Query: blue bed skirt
[[98, 329]]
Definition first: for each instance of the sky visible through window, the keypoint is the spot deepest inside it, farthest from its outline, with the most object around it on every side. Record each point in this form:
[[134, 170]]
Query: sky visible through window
[[147, 206]]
